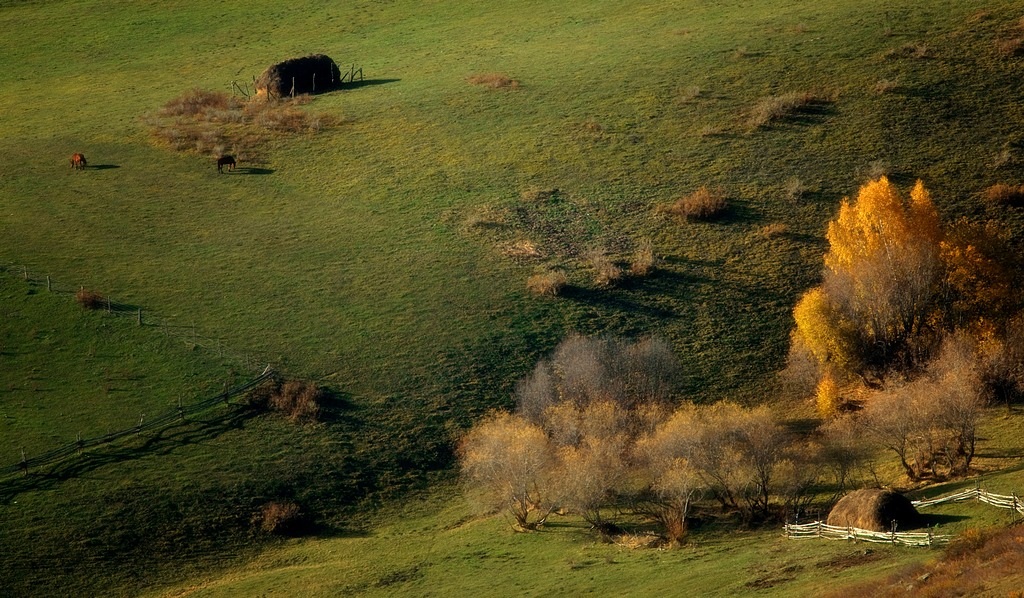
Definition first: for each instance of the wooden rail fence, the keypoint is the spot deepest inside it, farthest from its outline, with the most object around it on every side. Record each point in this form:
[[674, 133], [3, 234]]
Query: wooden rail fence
[[820, 529]]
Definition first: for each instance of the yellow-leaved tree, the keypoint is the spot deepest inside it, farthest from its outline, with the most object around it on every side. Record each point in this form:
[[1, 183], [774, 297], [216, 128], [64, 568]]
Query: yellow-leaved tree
[[882, 274]]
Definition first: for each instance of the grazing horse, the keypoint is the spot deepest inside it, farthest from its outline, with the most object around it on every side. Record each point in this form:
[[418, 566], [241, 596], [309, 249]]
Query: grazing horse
[[78, 162], [225, 161]]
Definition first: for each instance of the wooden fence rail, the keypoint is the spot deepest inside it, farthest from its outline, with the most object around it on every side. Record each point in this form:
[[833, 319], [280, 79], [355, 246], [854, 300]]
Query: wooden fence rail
[[162, 420]]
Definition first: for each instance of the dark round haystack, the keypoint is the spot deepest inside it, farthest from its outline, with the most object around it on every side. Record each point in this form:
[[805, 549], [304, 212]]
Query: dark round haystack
[[874, 509], [309, 74]]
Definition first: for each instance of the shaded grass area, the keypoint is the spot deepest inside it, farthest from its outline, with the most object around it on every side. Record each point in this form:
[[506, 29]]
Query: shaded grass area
[[347, 262], [437, 544]]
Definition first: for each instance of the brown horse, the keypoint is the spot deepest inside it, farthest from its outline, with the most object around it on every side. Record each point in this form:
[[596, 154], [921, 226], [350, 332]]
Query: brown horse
[[225, 161], [78, 162]]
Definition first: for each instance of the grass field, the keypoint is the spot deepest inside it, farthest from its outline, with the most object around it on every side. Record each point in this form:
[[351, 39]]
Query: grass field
[[370, 257]]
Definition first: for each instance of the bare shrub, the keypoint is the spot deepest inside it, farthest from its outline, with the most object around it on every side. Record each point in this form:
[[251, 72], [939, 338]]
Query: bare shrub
[[774, 108], [297, 400], [1004, 157], [493, 81], [741, 52], [689, 94], [1010, 47], [537, 194], [877, 169], [507, 461], [794, 189], [1003, 194], [606, 271], [913, 50], [884, 86], [547, 284], [775, 229], [843, 452], [90, 299], [672, 484], [703, 204], [710, 131], [644, 260], [930, 423], [583, 369], [278, 518]]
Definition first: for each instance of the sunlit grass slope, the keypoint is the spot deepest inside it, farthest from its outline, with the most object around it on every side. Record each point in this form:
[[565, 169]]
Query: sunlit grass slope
[[352, 261]]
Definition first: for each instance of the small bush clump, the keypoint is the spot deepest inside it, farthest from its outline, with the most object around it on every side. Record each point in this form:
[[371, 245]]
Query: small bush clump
[[535, 194], [295, 399], [1003, 194], [775, 108], [606, 271], [278, 518], [1010, 47], [915, 50], [547, 284], [884, 86], [90, 299], [493, 81], [643, 261], [775, 229], [702, 204]]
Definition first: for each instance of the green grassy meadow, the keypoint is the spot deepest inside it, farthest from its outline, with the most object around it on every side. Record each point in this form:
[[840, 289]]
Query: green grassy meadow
[[372, 258]]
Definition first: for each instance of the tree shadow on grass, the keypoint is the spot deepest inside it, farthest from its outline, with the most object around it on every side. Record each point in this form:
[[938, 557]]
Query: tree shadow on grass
[[103, 166], [161, 442], [614, 300]]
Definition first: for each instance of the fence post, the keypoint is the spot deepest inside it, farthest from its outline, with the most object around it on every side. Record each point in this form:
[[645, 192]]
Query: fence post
[[181, 411], [25, 269], [48, 287], [24, 462], [79, 443], [142, 418], [894, 532], [140, 316]]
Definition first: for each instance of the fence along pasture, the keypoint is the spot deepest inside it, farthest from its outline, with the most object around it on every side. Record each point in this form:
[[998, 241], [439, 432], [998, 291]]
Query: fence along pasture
[[251, 361], [188, 334], [163, 420], [820, 529]]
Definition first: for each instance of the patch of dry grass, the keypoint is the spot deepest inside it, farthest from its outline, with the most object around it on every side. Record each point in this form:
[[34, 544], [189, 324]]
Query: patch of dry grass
[[493, 81], [547, 284], [1003, 194], [521, 249], [702, 204], [606, 271], [643, 261], [912, 50], [775, 229], [209, 122], [775, 108], [884, 86]]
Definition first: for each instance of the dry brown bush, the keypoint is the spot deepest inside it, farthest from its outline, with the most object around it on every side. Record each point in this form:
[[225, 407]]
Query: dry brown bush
[[775, 229], [915, 50], [90, 299], [535, 194], [710, 131], [547, 284], [606, 271], [1010, 47], [493, 81], [295, 399], [778, 107], [795, 189], [209, 122], [1003, 194], [702, 204], [884, 86], [278, 517], [644, 260]]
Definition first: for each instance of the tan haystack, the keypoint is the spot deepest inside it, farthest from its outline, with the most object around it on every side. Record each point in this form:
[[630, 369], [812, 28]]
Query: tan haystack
[[874, 509]]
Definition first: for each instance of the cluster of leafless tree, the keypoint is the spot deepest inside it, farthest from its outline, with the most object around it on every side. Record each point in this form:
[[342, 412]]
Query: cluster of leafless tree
[[595, 434]]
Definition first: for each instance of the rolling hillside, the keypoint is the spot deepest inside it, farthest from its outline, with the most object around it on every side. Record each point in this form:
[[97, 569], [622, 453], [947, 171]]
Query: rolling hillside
[[383, 257]]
